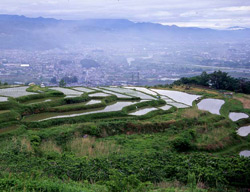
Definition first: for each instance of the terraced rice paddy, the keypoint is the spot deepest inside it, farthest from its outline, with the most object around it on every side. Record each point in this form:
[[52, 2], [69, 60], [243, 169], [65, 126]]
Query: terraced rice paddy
[[15, 92], [211, 105], [178, 96], [67, 92], [178, 105], [131, 92], [237, 116], [93, 102], [143, 111], [143, 89], [245, 153], [99, 95], [118, 95], [43, 100], [110, 108], [83, 89], [244, 131], [165, 107], [3, 99]]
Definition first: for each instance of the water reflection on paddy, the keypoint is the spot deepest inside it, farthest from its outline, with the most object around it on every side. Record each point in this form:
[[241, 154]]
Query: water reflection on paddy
[[110, 108]]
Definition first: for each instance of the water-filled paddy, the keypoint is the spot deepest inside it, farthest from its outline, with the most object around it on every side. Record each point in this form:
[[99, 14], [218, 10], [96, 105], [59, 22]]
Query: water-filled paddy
[[237, 116], [211, 105], [244, 131], [83, 89], [110, 108], [178, 105], [91, 102], [99, 95], [118, 95], [165, 107], [15, 92], [178, 96], [130, 92], [245, 153], [143, 111], [67, 92], [143, 89], [3, 99], [35, 101]]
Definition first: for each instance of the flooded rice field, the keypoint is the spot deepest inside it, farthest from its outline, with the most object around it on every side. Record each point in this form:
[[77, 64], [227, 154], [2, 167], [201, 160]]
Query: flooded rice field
[[91, 102], [244, 131], [99, 95], [15, 92], [3, 99], [178, 96], [165, 107], [110, 108], [178, 105], [143, 111], [67, 92], [237, 116], [245, 153], [143, 89], [83, 89], [131, 92], [118, 95], [211, 105]]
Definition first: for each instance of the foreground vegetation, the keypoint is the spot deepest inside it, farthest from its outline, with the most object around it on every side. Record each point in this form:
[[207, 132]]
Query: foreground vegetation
[[174, 150]]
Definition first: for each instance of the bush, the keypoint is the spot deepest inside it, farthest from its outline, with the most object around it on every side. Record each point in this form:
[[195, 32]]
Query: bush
[[118, 182]]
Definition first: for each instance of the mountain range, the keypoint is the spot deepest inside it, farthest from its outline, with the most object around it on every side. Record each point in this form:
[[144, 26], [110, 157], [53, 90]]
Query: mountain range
[[20, 32]]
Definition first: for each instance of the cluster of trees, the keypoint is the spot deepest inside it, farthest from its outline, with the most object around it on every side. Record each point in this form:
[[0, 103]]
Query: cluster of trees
[[65, 80], [3, 83], [70, 79], [217, 80]]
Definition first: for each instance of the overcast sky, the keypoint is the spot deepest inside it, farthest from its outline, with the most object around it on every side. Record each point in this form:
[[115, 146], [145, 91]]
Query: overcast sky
[[198, 13]]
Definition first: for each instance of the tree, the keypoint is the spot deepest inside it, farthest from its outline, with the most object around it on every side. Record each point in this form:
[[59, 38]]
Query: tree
[[62, 83], [53, 80], [204, 79]]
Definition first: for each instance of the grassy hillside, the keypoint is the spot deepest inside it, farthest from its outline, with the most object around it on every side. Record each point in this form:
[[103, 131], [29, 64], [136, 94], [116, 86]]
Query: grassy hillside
[[179, 149]]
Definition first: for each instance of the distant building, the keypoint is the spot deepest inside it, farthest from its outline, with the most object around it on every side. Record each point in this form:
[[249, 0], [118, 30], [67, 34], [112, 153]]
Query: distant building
[[42, 85]]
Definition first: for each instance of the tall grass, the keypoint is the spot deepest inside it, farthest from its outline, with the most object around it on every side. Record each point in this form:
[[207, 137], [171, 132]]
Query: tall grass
[[50, 146], [191, 113], [91, 147], [21, 144]]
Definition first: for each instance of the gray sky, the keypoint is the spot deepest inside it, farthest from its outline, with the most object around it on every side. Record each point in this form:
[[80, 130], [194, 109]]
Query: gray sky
[[198, 13]]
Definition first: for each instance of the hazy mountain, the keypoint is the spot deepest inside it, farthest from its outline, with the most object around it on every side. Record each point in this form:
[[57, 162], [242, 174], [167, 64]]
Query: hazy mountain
[[46, 33]]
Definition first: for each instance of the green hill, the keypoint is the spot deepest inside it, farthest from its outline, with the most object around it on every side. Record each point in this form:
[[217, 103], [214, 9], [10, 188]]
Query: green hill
[[122, 139]]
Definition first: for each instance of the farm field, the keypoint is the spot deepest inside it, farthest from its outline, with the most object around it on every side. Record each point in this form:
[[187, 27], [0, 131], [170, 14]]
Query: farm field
[[99, 140], [130, 92]]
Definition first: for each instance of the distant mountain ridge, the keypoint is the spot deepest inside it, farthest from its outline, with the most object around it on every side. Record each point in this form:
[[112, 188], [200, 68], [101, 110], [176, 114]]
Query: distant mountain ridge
[[20, 32]]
